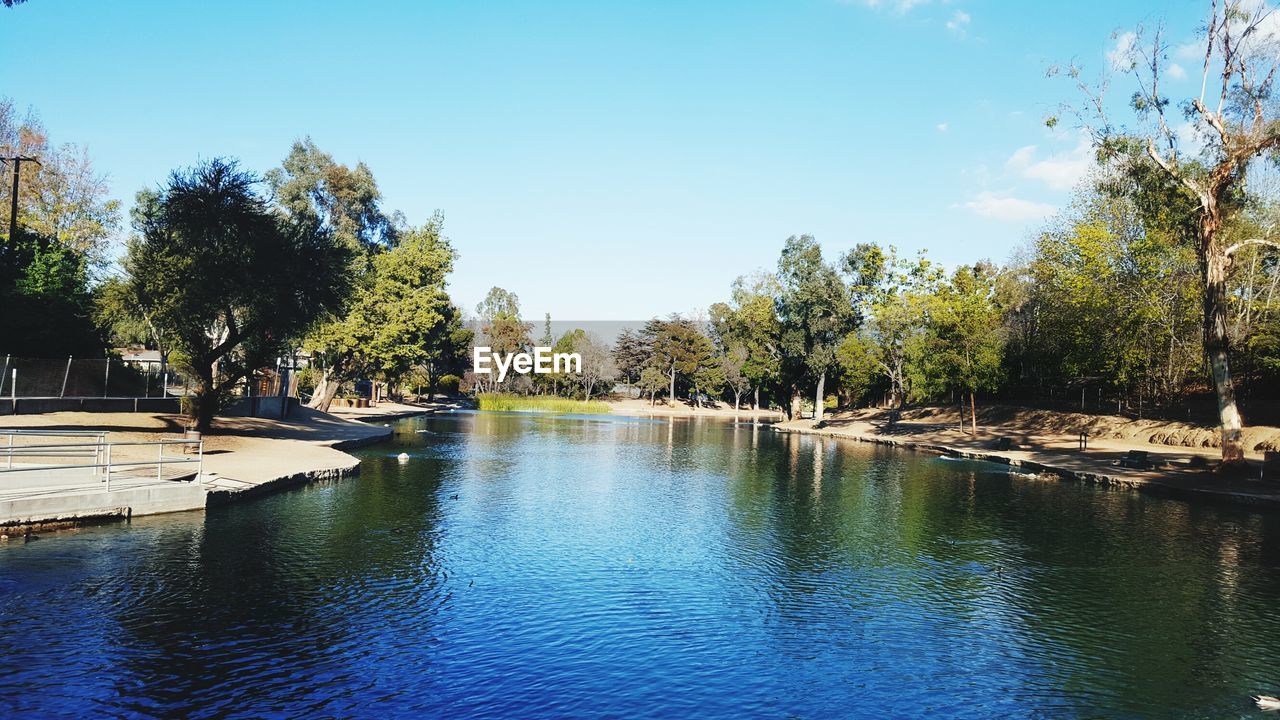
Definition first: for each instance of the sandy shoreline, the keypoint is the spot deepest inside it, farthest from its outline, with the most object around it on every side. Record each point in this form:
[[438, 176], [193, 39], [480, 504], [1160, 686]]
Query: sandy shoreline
[[642, 408], [1040, 451], [245, 457]]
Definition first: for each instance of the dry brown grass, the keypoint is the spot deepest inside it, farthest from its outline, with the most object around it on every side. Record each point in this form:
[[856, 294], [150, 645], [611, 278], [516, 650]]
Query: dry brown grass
[[1016, 420]]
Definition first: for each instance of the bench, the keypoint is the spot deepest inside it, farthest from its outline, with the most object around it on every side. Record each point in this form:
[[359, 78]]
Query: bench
[[1004, 443], [1136, 459]]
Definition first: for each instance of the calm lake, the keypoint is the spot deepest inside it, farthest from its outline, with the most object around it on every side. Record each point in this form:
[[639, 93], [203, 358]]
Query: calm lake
[[537, 567]]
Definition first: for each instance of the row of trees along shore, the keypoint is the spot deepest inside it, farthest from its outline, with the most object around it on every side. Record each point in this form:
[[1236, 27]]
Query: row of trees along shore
[[1157, 280], [226, 273], [228, 278], [1155, 289]]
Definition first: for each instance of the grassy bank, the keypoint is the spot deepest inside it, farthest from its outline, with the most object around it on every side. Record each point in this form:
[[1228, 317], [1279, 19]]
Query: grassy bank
[[507, 402]]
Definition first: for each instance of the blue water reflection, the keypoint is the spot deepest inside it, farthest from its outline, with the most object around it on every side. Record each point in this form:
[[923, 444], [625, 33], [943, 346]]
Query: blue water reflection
[[535, 567]]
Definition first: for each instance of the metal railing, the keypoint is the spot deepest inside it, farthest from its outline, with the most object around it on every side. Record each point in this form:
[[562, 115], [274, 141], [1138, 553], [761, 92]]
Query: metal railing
[[99, 450], [11, 450]]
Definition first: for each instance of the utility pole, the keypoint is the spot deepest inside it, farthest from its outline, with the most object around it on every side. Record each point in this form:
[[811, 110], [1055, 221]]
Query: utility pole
[[17, 161]]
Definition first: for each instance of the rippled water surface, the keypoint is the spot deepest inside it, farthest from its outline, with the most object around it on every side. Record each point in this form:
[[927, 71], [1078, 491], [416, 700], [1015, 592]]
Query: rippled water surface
[[536, 567]]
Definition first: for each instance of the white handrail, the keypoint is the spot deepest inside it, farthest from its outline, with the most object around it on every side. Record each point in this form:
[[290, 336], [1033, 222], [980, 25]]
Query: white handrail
[[100, 451], [52, 433]]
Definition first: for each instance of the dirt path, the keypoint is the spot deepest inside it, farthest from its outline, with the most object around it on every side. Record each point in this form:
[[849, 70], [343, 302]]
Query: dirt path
[[1048, 426]]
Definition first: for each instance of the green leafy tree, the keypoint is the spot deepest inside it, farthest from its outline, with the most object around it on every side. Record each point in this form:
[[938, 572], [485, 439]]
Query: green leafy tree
[[311, 187], [62, 201], [566, 377], [228, 281], [750, 321], [732, 363], [116, 313], [652, 379], [400, 318], [856, 359], [449, 350], [597, 368], [894, 294], [1104, 263], [967, 326], [346, 200], [679, 350], [1233, 130], [46, 306], [502, 329], [49, 265], [630, 355], [815, 310]]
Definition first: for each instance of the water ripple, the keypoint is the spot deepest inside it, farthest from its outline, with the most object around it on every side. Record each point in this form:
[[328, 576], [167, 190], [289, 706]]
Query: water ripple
[[531, 567]]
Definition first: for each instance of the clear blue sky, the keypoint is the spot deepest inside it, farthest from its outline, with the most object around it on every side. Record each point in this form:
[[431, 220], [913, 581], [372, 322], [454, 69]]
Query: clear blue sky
[[587, 154]]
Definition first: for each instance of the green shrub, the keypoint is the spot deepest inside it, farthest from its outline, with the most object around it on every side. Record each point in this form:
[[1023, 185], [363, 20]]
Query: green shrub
[[308, 379], [448, 384]]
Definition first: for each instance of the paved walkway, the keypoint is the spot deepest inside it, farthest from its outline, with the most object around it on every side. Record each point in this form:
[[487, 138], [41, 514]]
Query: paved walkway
[[31, 481], [392, 410], [242, 456]]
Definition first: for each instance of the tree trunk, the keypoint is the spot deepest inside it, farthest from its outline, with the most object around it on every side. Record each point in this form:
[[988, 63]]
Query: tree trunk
[[206, 406], [671, 398], [973, 412], [207, 398], [325, 391], [1213, 265], [818, 399], [755, 405], [795, 405]]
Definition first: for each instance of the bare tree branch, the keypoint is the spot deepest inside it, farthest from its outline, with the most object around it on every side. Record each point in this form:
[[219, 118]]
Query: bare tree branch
[[1252, 241], [1208, 50], [1214, 119], [1152, 62], [1172, 171]]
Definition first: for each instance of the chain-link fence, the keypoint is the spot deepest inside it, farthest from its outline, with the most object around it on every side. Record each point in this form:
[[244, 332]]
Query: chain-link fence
[[88, 378]]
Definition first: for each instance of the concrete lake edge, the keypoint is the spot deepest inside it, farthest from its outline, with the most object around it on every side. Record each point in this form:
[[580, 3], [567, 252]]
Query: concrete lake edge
[[33, 515], [226, 496], [49, 512]]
